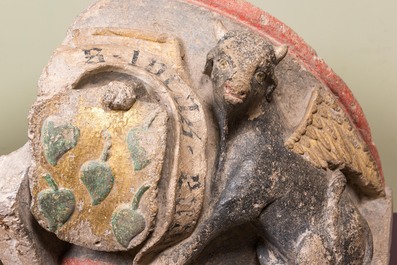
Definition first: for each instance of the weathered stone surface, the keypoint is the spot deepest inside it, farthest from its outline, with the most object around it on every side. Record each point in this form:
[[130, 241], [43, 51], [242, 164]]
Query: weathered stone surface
[[139, 124], [121, 96], [379, 215], [259, 177], [211, 143], [97, 173], [21, 240]]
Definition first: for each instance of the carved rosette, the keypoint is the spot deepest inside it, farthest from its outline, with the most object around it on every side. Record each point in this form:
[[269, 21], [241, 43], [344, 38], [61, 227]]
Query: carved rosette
[[119, 152]]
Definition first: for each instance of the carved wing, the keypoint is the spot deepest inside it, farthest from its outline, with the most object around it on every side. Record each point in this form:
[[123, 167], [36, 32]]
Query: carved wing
[[328, 139]]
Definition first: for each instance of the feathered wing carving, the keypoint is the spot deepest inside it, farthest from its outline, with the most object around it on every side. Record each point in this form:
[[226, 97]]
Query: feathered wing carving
[[327, 138]]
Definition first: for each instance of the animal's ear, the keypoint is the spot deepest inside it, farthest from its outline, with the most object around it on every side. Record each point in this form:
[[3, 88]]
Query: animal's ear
[[280, 52], [220, 30], [209, 63]]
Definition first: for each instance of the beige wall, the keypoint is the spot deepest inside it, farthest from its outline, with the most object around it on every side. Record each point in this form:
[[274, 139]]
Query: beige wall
[[358, 39]]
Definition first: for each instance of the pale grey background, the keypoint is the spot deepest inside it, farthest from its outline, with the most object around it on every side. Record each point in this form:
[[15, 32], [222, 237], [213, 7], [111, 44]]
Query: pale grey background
[[357, 38]]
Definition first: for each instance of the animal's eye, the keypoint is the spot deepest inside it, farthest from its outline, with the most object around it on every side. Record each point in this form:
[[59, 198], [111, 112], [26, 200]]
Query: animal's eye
[[223, 64], [260, 77]]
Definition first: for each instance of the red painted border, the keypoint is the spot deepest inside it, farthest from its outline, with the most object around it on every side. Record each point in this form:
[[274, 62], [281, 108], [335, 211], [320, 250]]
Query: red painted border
[[264, 23], [76, 261]]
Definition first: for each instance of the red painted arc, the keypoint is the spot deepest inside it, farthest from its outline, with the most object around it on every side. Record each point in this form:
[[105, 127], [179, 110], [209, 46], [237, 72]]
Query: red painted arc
[[84, 261], [264, 23]]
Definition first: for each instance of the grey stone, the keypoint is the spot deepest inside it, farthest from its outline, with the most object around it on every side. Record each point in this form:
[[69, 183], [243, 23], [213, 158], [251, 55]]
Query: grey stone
[[22, 241]]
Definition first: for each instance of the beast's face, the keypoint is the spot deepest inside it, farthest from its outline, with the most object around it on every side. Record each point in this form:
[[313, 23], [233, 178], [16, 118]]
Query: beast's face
[[236, 79], [241, 67]]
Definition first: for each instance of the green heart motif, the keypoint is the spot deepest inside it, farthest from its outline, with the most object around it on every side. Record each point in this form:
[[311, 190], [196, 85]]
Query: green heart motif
[[57, 138], [138, 153], [97, 176], [98, 179], [127, 222], [57, 205]]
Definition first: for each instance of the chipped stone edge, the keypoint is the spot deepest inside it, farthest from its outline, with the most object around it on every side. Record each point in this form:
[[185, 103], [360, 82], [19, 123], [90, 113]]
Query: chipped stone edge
[[379, 215], [21, 241]]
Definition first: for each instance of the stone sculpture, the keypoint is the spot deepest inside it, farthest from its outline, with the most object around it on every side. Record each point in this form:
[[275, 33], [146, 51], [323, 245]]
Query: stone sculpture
[[152, 145]]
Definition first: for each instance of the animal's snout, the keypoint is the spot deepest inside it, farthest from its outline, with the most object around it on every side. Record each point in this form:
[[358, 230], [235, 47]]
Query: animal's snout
[[234, 94]]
